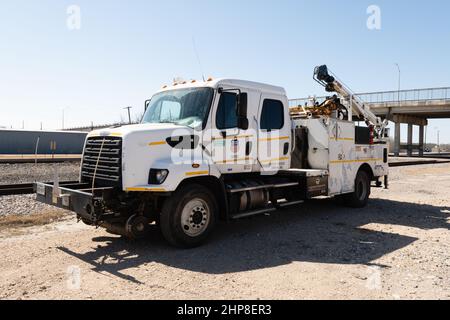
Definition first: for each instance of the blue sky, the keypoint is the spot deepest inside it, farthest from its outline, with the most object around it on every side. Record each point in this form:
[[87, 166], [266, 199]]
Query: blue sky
[[125, 50]]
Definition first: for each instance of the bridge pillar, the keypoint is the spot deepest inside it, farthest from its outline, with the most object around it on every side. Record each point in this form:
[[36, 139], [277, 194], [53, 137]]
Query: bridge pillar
[[410, 139], [421, 140], [397, 139]]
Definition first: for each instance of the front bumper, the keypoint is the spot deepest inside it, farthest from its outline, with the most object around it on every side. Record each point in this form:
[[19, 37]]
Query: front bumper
[[80, 198]]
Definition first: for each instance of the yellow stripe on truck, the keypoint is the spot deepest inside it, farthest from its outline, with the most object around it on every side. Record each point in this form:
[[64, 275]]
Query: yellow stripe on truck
[[156, 143], [354, 161], [197, 173], [274, 139], [274, 160], [235, 161], [232, 137], [342, 139], [145, 190]]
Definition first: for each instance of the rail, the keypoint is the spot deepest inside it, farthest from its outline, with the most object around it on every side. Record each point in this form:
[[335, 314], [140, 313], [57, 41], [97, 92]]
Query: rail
[[23, 188], [27, 158], [16, 189], [392, 97]]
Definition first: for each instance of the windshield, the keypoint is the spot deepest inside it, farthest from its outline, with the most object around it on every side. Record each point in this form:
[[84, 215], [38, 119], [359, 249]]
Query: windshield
[[187, 107]]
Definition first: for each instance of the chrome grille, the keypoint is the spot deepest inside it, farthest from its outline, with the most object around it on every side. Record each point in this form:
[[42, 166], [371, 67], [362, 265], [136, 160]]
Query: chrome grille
[[103, 158]]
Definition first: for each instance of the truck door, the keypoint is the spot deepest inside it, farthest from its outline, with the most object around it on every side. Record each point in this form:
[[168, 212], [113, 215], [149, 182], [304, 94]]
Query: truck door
[[233, 149], [274, 133]]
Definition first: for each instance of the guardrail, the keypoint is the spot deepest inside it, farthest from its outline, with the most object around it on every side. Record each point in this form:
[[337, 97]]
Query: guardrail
[[402, 96], [431, 94]]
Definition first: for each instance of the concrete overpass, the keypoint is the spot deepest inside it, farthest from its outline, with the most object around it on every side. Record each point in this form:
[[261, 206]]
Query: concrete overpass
[[411, 107]]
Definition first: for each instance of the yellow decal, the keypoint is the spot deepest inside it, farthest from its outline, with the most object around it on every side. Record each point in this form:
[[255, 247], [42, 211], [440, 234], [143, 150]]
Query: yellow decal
[[273, 160], [342, 139], [196, 173], [231, 137], [146, 190], [157, 143], [354, 161], [273, 139], [233, 161]]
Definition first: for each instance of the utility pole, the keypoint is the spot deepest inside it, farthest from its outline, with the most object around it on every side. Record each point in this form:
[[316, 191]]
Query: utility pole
[[63, 114], [439, 142], [129, 114]]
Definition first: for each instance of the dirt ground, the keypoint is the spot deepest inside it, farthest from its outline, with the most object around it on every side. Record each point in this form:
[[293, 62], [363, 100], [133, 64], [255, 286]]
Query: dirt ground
[[396, 248]]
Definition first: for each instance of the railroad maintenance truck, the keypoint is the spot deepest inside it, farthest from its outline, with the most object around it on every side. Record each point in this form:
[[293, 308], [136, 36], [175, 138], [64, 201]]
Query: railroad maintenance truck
[[224, 149]]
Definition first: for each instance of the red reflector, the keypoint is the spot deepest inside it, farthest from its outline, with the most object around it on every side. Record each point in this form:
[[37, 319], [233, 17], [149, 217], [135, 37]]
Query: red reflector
[[372, 134]]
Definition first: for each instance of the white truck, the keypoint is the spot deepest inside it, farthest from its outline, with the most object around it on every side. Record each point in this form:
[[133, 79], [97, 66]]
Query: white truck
[[221, 150]]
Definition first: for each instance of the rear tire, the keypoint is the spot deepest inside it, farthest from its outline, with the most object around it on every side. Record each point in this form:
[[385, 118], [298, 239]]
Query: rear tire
[[189, 216], [360, 197]]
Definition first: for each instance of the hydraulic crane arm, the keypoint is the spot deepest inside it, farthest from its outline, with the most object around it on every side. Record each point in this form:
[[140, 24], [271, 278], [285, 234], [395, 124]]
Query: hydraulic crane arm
[[331, 84]]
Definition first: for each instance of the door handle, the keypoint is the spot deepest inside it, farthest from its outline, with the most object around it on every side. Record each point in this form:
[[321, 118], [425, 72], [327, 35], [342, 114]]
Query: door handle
[[248, 148], [286, 148]]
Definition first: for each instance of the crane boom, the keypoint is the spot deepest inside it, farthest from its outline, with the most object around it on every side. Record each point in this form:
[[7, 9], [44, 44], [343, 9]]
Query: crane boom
[[331, 84]]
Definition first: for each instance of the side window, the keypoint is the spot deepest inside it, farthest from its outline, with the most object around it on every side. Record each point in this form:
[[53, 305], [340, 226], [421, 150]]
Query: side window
[[226, 117], [272, 115]]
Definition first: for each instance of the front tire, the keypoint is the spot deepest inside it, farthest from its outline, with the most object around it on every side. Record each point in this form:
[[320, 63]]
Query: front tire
[[360, 197], [189, 216]]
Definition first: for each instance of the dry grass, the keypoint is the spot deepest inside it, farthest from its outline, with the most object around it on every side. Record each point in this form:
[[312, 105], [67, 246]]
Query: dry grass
[[15, 221]]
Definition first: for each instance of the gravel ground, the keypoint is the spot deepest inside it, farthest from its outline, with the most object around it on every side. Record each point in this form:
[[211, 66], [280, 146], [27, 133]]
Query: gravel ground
[[43, 172], [23, 205], [396, 248], [27, 173]]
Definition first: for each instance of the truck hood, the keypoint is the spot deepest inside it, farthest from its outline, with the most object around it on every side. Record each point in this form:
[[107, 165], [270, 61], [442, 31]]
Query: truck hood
[[158, 129], [145, 146]]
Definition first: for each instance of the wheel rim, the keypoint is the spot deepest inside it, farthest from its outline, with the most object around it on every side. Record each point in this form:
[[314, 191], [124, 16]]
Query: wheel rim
[[140, 227], [195, 217]]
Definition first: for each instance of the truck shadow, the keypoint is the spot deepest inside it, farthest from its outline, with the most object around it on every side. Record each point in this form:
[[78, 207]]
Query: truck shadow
[[319, 231]]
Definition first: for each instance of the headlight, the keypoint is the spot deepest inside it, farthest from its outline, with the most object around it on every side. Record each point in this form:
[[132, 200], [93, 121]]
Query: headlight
[[157, 176]]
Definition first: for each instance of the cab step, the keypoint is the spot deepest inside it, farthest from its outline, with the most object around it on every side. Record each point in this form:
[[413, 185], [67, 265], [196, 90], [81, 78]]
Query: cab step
[[271, 208]]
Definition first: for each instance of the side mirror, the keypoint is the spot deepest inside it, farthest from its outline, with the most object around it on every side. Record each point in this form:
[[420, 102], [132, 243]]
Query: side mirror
[[147, 103], [242, 111]]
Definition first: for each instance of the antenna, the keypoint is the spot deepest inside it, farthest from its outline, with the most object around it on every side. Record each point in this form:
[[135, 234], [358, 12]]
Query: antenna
[[198, 58]]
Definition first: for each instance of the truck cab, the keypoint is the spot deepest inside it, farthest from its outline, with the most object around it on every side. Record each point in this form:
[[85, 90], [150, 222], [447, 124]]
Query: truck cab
[[212, 128]]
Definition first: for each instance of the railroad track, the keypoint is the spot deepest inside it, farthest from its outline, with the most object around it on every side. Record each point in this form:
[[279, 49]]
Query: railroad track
[[21, 188], [27, 188], [39, 159], [16, 189], [416, 163]]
